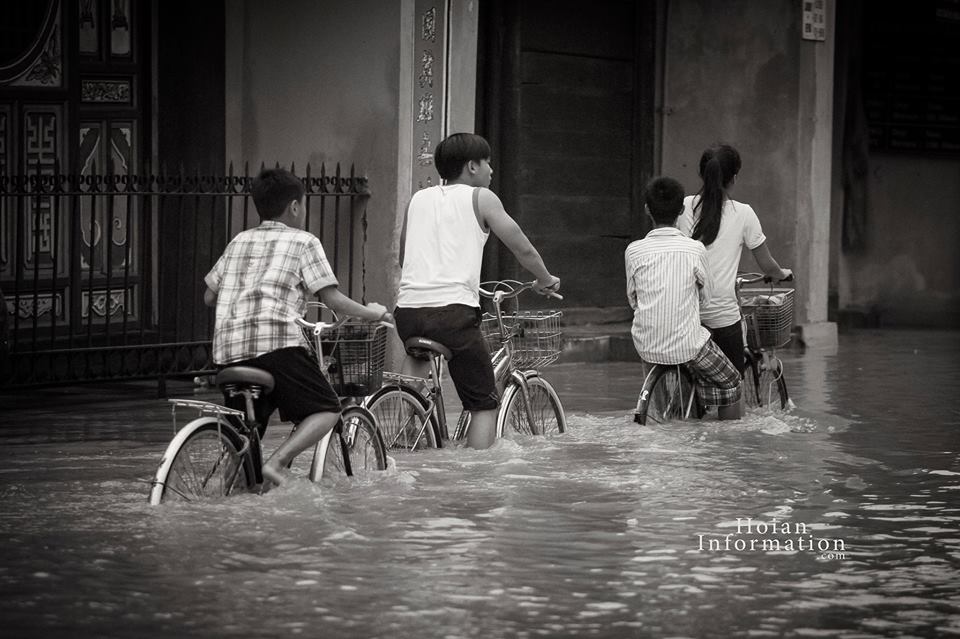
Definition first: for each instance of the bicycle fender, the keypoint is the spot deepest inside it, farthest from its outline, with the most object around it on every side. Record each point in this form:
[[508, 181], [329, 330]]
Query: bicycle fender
[[163, 469]]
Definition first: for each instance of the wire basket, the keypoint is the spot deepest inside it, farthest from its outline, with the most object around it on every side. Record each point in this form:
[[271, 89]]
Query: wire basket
[[769, 315], [535, 335], [352, 356]]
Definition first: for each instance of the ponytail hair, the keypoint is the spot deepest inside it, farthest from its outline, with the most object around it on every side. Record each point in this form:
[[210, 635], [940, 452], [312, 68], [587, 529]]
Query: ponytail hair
[[718, 166]]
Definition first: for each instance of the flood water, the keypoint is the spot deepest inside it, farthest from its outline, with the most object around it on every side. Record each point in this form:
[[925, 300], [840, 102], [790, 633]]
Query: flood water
[[611, 530]]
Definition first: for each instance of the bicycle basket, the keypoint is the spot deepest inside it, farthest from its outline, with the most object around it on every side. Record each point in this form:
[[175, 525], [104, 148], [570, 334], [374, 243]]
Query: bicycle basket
[[769, 316], [353, 356], [535, 335]]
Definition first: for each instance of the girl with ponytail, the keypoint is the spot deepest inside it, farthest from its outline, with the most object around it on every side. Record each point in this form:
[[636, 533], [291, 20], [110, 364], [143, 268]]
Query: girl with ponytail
[[725, 226]]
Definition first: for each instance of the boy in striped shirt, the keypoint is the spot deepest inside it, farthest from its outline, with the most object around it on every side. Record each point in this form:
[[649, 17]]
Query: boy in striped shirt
[[666, 282]]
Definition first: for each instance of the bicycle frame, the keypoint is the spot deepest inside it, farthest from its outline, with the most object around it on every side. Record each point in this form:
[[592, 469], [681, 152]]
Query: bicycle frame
[[504, 373]]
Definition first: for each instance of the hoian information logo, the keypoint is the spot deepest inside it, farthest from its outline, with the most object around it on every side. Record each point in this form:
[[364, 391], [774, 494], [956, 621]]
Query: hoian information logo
[[773, 536]]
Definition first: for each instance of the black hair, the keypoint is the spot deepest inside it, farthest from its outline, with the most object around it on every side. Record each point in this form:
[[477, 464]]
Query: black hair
[[664, 199], [273, 190], [718, 166], [458, 149]]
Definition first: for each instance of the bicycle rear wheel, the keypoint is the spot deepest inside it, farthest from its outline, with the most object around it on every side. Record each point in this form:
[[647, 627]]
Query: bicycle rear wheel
[[667, 395], [548, 417], [764, 386], [208, 462], [355, 449], [404, 418]]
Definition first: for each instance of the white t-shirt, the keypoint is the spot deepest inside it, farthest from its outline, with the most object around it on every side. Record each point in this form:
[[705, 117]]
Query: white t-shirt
[[444, 249], [739, 227]]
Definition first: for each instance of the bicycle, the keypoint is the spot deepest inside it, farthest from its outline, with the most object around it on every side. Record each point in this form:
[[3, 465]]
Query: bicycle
[[220, 452], [767, 321], [410, 409], [669, 391]]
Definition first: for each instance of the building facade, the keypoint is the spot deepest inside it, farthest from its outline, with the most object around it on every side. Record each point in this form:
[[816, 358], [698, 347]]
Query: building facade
[[582, 105]]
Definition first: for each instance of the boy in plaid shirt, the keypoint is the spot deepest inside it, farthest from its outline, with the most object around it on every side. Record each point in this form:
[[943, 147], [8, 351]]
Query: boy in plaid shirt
[[259, 286]]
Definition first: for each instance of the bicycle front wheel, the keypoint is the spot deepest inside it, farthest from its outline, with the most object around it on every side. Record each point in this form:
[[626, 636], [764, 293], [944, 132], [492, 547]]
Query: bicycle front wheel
[[356, 449], [404, 418], [203, 461], [764, 386], [546, 416], [667, 395]]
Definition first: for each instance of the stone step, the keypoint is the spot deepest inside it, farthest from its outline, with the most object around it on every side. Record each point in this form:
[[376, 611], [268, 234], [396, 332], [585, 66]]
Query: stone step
[[597, 334]]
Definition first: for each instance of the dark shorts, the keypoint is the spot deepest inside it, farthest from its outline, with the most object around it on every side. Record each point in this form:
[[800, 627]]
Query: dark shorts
[[457, 327], [730, 341], [299, 390]]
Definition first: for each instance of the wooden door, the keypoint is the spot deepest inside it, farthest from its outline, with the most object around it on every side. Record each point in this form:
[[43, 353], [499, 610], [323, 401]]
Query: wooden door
[[566, 99]]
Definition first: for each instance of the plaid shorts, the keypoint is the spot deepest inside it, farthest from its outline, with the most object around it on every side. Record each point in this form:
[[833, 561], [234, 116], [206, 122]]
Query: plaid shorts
[[718, 381]]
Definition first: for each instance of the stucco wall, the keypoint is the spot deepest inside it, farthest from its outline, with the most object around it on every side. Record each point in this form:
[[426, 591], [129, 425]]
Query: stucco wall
[[739, 72], [319, 81], [725, 83], [908, 274]]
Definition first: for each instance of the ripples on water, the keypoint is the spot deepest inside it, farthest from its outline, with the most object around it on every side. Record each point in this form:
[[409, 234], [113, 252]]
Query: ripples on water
[[593, 533]]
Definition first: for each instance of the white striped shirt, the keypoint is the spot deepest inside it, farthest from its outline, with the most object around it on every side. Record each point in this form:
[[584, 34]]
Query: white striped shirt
[[665, 273]]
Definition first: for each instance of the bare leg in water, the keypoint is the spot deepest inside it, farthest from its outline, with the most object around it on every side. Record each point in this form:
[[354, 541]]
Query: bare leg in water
[[308, 433], [483, 428]]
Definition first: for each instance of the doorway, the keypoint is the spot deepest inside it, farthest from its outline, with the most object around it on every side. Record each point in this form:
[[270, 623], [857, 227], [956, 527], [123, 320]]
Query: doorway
[[565, 98]]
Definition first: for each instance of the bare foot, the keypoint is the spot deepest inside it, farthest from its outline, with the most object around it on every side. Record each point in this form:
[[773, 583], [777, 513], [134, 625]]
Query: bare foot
[[273, 475]]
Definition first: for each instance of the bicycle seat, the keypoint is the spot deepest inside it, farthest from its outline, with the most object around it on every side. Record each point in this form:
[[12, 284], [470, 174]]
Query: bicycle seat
[[246, 376], [423, 348]]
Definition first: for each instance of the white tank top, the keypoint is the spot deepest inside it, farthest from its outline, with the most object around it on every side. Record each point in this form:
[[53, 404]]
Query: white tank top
[[444, 249]]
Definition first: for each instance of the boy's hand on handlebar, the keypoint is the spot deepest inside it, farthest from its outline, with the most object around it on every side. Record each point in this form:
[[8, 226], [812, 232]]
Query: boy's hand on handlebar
[[548, 286], [387, 320]]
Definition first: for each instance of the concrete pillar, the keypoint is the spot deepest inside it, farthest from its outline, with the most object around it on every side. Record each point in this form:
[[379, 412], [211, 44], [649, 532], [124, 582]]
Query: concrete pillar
[[814, 174]]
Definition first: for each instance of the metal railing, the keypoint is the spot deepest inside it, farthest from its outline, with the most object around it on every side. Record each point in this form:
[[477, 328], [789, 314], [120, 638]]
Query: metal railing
[[102, 274]]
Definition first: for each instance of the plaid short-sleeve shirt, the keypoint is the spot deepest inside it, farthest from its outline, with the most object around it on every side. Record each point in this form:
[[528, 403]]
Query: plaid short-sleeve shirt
[[262, 282]]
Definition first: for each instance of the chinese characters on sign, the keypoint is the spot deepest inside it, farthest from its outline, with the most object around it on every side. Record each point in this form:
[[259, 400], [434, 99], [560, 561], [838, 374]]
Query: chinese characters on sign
[[814, 19], [428, 84]]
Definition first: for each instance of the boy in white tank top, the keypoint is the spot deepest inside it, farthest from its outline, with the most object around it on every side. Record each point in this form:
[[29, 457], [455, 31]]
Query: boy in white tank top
[[441, 251]]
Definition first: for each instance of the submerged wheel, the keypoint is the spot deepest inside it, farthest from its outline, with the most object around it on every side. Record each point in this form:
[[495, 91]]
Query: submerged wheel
[[403, 418], [667, 396], [206, 463], [764, 386], [357, 450], [546, 409]]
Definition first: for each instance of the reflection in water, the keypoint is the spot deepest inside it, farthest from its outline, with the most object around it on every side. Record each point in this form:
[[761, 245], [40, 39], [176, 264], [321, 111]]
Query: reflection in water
[[605, 531]]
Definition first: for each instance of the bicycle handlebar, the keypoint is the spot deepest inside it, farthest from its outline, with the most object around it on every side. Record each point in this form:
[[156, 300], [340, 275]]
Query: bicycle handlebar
[[516, 287], [753, 278], [319, 327]]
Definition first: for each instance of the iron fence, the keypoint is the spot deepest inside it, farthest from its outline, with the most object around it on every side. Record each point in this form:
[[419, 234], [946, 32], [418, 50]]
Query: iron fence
[[102, 274]]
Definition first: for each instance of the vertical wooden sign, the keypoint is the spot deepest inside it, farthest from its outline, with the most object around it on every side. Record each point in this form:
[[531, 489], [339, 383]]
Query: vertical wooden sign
[[429, 88], [814, 20]]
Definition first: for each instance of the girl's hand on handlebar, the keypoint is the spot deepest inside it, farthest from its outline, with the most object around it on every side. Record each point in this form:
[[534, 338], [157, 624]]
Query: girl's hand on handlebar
[[387, 320], [786, 275]]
